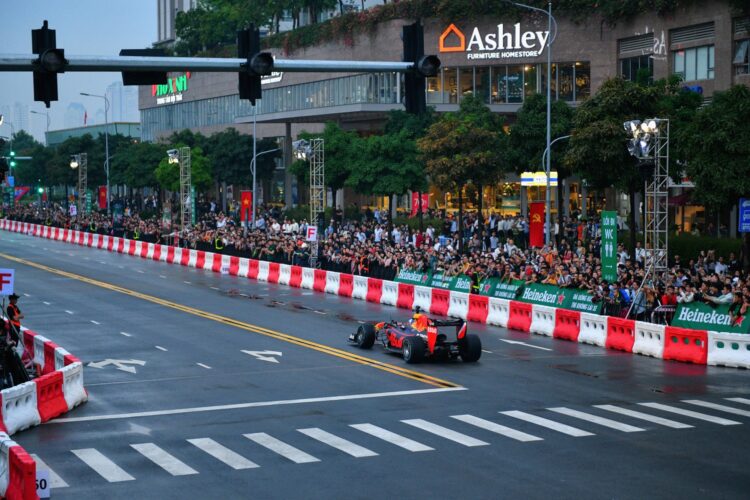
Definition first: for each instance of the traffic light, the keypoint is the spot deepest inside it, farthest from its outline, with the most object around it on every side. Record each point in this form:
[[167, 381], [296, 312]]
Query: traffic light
[[40, 190], [12, 159], [50, 62], [424, 66], [258, 63]]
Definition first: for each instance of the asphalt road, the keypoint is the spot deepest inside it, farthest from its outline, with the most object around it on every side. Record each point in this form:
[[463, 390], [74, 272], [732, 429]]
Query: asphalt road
[[318, 418]]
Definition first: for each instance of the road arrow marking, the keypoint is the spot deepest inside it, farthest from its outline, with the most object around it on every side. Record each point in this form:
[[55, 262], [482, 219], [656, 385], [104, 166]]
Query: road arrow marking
[[120, 364], [264, 355], [524, 343]]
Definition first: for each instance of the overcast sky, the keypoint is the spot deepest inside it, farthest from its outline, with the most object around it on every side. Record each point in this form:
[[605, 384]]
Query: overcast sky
[[84, 27]]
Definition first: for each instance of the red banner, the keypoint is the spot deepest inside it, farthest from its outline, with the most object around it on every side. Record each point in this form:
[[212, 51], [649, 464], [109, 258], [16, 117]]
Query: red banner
[[102, 197], [536, 224], [415, 203], [246, 206]]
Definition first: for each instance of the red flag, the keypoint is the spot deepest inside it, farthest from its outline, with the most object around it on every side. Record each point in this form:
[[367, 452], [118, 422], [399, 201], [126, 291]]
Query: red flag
[[102, 197], [415, 203], [85, 116], [246, 201], [536, 224]]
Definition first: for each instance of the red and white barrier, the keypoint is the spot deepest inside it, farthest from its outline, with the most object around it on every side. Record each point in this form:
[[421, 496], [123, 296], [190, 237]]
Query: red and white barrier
[[422, 298], [593, 329], [499, 312], [333, 280], [19, 407], [17, 471], [244, 267], [285, 273], [308, 278], [360, 288], [458, 307], [729, 349], [262, 270], [73, 390], [389, 295], [649, 339], [542, 320]]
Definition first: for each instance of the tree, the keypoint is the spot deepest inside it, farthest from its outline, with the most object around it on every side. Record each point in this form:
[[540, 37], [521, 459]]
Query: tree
[[342, 148], [135, 164], [168, 174]]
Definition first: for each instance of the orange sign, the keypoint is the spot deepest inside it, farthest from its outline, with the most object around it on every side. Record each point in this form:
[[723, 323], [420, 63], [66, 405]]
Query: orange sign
[[452, 30]]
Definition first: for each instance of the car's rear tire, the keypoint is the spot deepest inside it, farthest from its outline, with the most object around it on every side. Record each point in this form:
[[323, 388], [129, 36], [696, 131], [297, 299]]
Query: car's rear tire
[[413, 350], [365, 336], [470, 348]]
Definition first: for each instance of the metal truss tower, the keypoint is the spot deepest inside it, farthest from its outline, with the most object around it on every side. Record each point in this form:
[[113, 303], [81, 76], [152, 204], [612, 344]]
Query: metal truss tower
[[186, 202]]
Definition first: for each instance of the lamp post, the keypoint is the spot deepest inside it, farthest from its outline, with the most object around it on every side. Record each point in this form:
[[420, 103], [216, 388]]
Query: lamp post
[[255, 147], [46, 114], [253, 168], [106, 139], [80, 162], [12, 162]]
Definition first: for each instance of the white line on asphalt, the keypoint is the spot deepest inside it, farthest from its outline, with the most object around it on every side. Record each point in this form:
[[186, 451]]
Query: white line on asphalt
[[524, 344], [319, 312], [488, 352], [549, 424], [257, 404], [141, 271], [204, 366], [126, 334], [244, 295], [187, 282], [444, 432], [45, 303], [693, 414], [102, 465], [220, 452], [714, 406], [739, 400], [283, 449], [163, 459], [95, 322], [162, 276], [55, 481], [213, 288], [102, 262], [496, 428], [160, 348], [391, 437], [26, 295], [69, 312], [342, 444], [644, 416], [594, 419]]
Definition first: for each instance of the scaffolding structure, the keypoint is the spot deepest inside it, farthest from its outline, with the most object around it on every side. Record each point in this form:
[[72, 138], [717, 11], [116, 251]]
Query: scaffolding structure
[[317, 190], [186, 203], [82, 181], [656, 213]]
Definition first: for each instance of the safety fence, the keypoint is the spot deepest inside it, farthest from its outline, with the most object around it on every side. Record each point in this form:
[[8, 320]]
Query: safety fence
[[659, 341]]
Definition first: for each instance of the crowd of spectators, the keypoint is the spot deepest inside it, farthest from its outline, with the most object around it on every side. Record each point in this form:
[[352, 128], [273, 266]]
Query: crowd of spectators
[[493, 247]]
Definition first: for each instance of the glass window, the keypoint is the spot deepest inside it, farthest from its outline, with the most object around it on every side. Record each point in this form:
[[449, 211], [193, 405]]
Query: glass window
[[701, 63], [499, 84], [553, 90], [694, 64], [565, 82], [514, 81], [434, 89], [690, 65], [450, 85], [482, 83], [467, 81], [741, 60], [583, 80], [679, 63], [631, 68], [530, 86], [711, 62]]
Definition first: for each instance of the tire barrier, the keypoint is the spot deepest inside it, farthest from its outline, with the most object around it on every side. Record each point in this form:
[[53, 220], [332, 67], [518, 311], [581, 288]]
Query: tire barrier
[[729, 349], [567, 325], [649, 339], [390, 293], [319, 280], [684, 344], [519, 316], [332, 282], [620, 334], [374, 290], [499, 310], [422, 298], [360, 287], [285, 274], [73, 390], [441, 301], [262, 270], [273, 272], [346, 284], [542, 320], [458, 307], [295, 277], [405, 298], [479, 308], [308, 278], [19, 407]]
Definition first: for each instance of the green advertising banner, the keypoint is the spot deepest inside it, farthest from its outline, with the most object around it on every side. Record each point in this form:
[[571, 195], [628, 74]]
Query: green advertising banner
[[700, 316], [609, 246], [460, 283], [567, 298], [494, 287], [88, 202], [412, 277]]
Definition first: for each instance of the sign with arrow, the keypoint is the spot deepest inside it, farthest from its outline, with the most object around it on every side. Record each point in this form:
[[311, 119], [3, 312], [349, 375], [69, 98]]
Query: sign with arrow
[[264, 355], [120, 364], [609, 246], [525, 344]]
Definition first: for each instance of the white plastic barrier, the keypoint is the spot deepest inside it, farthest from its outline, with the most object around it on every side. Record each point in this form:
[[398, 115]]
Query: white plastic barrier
[[20, 407], [542, 320], [60, 354], [177, 257], [729, 349], [5, 445], [208, 260], [359, 291], [138, 247], [150, 251], [390, 293], [499, 312], [164, 253], [593, 329], [193, 258], [71, 234], [285, 274], [422, 298], [73, 389], [649, 339], [39, 341], [458, 307], [105, 242], [333, 281], [125, 245], [263, 270], [244, 267], [308, 278], [226, 264]]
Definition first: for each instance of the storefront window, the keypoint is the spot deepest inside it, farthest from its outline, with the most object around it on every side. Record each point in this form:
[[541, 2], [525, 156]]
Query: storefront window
[[499, 85], [482, 83], [450, 85], [434, 90], [583, 81], [553, 90], [515, 83], [466, 81], [530, 80], [565, 81]]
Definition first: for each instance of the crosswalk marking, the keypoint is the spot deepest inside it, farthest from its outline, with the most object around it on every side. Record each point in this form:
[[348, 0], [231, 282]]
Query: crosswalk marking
[[102, 465], [739, 400], [444, 432], [391, 437], [550, 424], [594, 419], [496, 428], [693, 414], [644, 416], [347, 447], [55, 481], [163, 459], [728, 409], [283, 449], [222, 453]]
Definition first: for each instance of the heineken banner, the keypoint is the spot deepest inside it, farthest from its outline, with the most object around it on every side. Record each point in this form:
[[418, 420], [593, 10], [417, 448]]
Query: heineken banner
[[460, 283], [494, 287], [609, 246], [566, 298], [700, 316]]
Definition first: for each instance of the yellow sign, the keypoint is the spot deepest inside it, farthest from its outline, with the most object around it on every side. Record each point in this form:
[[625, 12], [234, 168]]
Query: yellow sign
[[538, 179]]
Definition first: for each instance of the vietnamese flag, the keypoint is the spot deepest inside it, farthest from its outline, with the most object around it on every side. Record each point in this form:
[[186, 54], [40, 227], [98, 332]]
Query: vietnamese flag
[[536, 224], [246, 200], [102, 197]]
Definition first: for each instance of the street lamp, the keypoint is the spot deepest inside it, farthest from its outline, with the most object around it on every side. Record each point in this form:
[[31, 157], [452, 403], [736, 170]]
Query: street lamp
[[106, 138], [253, 170]]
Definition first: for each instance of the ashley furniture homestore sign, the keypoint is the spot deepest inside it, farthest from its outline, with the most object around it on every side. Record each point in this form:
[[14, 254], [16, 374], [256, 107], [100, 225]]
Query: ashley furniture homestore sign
[[504, 42]]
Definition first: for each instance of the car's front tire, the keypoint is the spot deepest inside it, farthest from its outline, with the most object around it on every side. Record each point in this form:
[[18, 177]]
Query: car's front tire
[[413, 350], [470, 348], [365, 336]]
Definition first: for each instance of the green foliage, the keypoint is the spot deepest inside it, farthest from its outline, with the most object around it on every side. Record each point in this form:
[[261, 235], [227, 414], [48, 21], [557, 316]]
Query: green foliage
[[342, 148], [135, 165], [168, 174], [689, 247]]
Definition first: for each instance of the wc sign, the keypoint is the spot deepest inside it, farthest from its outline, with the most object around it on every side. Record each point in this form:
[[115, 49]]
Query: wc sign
[[504, 42]]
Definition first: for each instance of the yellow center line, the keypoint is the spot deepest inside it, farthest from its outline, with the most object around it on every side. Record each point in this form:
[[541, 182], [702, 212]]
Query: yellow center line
[[332, 351]]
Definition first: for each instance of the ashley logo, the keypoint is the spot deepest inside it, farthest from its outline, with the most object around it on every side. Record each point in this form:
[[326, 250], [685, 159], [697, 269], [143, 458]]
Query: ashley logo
[[522, 44]]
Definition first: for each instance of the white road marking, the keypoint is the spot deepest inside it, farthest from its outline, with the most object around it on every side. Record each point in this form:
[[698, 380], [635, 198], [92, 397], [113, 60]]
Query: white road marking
[[160, 348], [162, 276], [391, 437], [26, 295], [444, 432], [496, 428], [203, 366], [163, 459], [213, 288], [287, 451], [222, 453], [69, 312], [187, 282], [55, 481], [693, 414], [714, 406], [45, 303], [524, 344], [342, 444], [141, 271], [594, 419], [739, 400], [644, 416], [488, 352], [257, 404], [102, 262], [102, 465], [319, 312], [95, 322], [126, 334], [549, 424]]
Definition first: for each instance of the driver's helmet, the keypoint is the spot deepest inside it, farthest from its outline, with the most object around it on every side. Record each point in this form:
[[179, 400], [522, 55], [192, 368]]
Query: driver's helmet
[[419, 322]]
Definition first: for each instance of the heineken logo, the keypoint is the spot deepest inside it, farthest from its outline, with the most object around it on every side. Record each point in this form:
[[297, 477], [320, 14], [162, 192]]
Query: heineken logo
[[411, 276], [543, 296], [709, 317], [463, 283]]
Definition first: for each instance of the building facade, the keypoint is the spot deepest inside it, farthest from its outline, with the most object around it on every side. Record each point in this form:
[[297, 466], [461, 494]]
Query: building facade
[[128, 129]]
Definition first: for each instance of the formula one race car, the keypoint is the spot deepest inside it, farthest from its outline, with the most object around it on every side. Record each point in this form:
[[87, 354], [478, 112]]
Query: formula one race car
[[420, 339]]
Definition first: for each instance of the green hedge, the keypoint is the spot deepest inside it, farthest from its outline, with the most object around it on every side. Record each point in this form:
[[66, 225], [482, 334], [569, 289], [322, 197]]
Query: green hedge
[[689, 247]]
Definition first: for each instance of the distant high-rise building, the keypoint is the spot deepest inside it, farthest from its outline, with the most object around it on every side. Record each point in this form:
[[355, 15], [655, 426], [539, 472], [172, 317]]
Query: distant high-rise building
[[20, 117], [167, 12], [123, 102], [74, 115]]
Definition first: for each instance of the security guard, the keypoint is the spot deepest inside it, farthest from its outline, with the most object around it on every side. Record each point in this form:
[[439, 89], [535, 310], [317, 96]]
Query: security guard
[[15, 317]]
